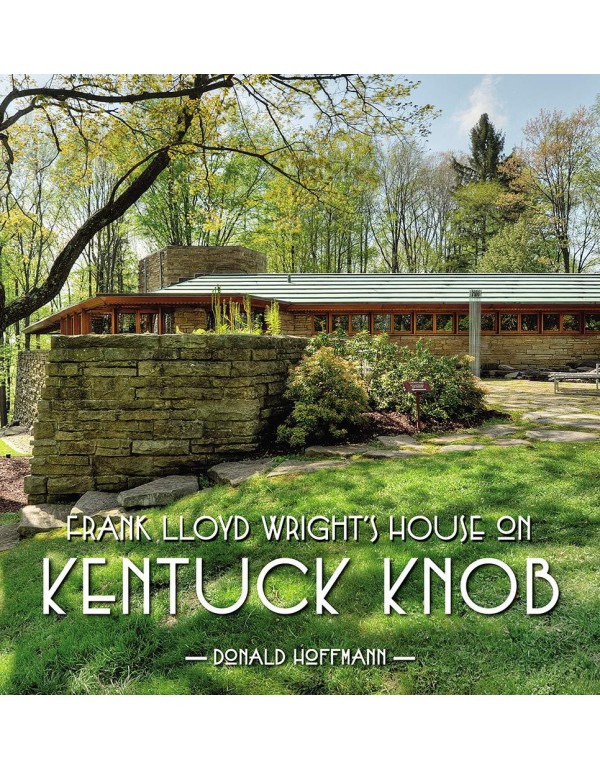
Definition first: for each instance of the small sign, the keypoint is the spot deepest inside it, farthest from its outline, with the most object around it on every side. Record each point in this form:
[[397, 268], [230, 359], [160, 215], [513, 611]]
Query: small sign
[[417, 387]]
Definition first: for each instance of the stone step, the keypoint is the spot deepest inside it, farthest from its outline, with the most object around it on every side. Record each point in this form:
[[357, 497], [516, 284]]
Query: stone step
[[341, 450], [234, 473], [100, 504], [158, 492], [294, 467], [42, 518]]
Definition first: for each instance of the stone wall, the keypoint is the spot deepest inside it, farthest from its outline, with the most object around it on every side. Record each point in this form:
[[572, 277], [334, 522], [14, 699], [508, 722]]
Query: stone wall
[[534, 350], [188, 319], [179, 263], [31, 373], [120, 410]]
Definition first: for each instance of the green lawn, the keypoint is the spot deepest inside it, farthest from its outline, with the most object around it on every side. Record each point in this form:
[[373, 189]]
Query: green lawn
[[557, 485], [6, 450]]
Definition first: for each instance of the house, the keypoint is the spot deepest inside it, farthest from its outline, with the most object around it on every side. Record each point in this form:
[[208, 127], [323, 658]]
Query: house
[[526, 319]]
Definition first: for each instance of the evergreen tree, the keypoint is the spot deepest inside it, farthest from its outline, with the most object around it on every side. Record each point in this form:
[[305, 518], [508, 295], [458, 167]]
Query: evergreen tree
[[487, 146]]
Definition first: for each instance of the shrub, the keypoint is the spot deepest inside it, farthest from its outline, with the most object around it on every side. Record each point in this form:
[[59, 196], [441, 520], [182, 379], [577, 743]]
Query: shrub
[[374, 355], [328, 399], [456, 395]]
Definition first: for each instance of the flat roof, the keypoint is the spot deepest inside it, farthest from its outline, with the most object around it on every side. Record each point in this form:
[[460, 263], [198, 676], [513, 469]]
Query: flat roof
[[398, 288]]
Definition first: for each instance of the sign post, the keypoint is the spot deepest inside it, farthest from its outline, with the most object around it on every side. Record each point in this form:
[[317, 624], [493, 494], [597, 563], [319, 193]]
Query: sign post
[[417, 387]]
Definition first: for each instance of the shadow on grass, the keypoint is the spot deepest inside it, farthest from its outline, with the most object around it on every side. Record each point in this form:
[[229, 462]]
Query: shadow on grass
[[460, 653]]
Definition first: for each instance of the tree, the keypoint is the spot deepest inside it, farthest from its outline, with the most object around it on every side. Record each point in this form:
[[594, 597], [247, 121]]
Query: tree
[[414, 204], [145, 121], [487, 146], [560, 151]]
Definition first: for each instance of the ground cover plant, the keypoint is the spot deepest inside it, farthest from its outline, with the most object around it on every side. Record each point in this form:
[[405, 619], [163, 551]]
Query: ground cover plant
[[458, 653]]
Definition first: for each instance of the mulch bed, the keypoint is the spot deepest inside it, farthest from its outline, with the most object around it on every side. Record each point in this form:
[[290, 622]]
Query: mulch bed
[[12, 472], [394, 423]]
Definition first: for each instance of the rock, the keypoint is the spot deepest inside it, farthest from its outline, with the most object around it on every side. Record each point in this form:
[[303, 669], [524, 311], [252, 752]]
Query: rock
[[42, 518], [461, 447], [494, 431], [396, 454], [579, 424], [158, 492], [396, 442], [97, 504], [562, 435], [512, 442], [343, 450], [506, 368], [293, 467], [9, 536], [451, 439], [511, 375], [14, 430], [235, 473]]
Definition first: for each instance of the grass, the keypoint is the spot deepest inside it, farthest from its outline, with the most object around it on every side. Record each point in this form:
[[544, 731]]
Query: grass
[[459, 653], [7, 450]]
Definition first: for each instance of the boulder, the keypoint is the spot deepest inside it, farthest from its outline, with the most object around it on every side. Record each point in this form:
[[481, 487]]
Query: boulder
[[234, 473], [42, 518], [158, 492]]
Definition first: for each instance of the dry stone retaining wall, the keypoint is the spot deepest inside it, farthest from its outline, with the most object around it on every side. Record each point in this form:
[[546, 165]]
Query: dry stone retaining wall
[[120, 410], [31, 373]]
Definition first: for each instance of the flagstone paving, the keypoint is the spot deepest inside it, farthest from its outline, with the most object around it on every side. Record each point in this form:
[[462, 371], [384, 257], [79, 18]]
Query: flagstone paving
[[539, 414]]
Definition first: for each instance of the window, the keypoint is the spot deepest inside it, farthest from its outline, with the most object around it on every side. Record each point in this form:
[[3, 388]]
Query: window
[[382, 323], [488, 322], [509, 322], [403, 323], [571, 322], [101, 324], [360, 322], [551, 322], [530, 323], [319, 324], [149, 323], [340, 322], [592, 322], [126, 323], [168, 320], [444, 323], [424, 322], [463, 322]]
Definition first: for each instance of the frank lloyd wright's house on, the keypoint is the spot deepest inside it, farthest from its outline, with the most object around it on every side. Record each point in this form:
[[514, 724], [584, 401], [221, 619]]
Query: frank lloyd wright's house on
[[526, 319]]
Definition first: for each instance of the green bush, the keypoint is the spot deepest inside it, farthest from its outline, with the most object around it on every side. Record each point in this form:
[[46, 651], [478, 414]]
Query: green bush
[[384, 367], [374, 355], [328, 399], [456, 395]]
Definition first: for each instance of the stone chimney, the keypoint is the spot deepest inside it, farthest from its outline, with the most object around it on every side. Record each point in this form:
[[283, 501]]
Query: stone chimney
[[174, 264]]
